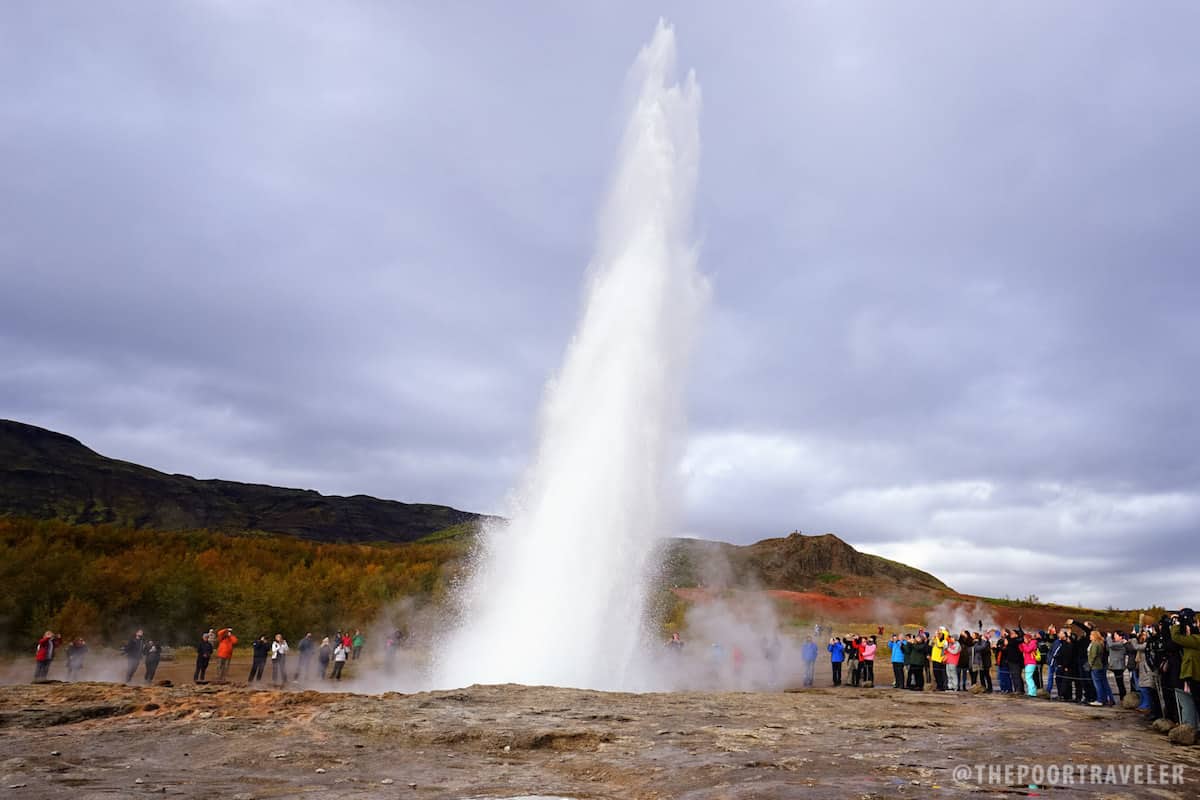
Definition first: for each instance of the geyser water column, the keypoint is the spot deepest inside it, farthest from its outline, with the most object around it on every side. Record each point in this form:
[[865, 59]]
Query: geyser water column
[[557, 595]]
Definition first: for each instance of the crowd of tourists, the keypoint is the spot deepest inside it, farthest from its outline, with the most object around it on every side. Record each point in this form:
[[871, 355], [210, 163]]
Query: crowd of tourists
[[1078, 663], [310, 659]]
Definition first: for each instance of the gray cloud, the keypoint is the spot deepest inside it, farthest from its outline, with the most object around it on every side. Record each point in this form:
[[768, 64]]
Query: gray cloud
[[342, 248]]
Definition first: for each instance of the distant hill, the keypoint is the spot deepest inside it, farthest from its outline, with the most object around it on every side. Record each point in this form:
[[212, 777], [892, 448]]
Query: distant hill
[[47, 475], [796, 563]]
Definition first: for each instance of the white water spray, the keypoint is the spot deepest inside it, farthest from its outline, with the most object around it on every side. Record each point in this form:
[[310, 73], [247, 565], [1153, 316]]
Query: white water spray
[[557, 596]]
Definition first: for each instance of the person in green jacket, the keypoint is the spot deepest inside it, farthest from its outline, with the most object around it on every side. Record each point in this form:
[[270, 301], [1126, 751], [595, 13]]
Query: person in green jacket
[[357, 644], [916, 654], [1097, 663], [1185, 634]]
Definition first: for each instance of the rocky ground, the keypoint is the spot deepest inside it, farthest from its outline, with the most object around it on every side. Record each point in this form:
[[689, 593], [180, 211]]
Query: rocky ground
[[91, 740]]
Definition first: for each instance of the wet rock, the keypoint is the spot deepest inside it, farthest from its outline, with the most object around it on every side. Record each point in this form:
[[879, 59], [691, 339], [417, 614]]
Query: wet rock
[[1163, 725], [1182, 734], [1131, 700]]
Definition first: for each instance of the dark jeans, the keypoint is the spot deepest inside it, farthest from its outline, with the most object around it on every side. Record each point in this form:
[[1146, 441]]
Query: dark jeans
[[939, 675], [324, 665], [256, 669], [151, 668], [897, 675], [201, 667], [916, 679], [837, 673], [869, 669], [41, 670], [131, 665], [337, 670], [985, 679]]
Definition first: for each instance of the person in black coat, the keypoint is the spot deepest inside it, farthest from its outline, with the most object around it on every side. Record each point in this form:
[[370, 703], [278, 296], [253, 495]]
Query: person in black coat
[[204, 652], [133, 650], [261, 649], [153, 656]]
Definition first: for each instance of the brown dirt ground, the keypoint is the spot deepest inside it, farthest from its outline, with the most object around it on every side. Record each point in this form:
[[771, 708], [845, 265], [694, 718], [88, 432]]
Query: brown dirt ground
[[93, 740]]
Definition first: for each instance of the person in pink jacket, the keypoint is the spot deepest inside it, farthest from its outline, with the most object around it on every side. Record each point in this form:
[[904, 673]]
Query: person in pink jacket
[[866, 659], [1029, 651], [950, 655]]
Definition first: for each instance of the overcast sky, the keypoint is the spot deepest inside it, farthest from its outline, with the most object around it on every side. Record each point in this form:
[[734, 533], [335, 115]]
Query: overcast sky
[[953, 248]]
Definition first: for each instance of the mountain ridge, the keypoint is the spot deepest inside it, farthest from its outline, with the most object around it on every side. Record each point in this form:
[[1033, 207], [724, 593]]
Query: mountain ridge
[[49, 475]]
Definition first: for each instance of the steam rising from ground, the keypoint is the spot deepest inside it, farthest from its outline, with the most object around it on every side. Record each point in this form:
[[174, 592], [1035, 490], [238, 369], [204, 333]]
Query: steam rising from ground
[[558, 595]]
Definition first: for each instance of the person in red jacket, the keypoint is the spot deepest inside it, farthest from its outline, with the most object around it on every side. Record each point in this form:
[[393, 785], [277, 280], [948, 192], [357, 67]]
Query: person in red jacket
[[45, 654], [225, 642]]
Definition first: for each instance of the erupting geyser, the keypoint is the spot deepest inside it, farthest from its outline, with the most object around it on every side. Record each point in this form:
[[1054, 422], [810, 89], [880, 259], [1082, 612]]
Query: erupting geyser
[[557, 595]]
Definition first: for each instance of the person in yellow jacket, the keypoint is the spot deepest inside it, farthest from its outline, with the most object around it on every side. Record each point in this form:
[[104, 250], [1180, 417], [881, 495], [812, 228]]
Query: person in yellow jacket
[[938, 657]]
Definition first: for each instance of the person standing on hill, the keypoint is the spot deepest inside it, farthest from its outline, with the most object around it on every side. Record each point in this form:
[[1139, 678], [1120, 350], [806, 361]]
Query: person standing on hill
[[837, 654], [225, 642], [45, 654], [260, 649], [75, 653], [134, 650], [204, 652]]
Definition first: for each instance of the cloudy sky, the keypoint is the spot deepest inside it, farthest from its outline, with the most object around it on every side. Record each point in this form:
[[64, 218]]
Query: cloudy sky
[[954, 254]]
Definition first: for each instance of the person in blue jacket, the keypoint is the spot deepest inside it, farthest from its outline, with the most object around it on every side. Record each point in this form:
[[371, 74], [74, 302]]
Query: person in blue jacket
[[896, 647], [808, 654], [837, 654]]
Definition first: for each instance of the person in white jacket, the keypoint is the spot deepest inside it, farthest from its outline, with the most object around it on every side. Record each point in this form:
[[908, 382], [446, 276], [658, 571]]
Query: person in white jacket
[[279, 651], [339, 660]]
